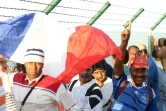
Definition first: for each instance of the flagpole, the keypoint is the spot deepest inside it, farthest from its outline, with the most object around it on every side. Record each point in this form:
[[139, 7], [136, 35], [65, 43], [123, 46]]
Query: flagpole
[[51, 6], [133, 17], [99, 13], [150, 33]]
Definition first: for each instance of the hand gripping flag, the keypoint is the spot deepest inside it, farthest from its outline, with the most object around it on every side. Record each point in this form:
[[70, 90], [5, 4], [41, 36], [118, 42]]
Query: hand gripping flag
[[66, 54]]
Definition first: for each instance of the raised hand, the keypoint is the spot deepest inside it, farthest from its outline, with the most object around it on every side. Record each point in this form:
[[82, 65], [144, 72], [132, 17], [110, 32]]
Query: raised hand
[[125, 34], [154, 41]]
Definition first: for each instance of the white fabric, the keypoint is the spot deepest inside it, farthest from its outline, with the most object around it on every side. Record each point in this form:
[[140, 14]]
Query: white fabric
[[107, 90], [33, 58], [10, 100], [78, 93], [47, 34], [34, 52], [41, 99], [141, 46]]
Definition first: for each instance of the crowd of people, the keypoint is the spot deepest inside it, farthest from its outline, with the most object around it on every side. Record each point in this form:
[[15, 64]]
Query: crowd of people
[[134, 83]]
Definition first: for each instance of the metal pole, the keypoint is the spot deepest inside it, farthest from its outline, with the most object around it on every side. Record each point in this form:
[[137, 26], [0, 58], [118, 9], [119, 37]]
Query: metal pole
[[51, 6], [150, 42], [150, 33], [158, 22], [99, 13], [133, 17]]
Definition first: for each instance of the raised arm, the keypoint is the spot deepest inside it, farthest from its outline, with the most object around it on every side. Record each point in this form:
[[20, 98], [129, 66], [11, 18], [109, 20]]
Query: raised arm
[[159, 53], [156, 52], [118, 66], [65, 99]]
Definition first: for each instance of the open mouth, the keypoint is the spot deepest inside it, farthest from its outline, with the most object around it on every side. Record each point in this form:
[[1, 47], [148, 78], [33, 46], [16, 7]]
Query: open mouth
[[139, 78]]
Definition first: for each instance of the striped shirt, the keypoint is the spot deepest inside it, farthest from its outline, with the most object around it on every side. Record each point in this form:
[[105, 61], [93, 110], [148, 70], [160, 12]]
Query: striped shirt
[[86, 97], [10, 100], [2, 97], [44, 97]]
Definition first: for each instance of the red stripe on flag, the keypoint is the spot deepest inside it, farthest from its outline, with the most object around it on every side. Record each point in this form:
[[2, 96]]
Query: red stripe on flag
[[87, 46]]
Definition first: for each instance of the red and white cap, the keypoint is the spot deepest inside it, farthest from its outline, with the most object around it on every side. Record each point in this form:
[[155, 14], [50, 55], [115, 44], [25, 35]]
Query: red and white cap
[[139, 62]]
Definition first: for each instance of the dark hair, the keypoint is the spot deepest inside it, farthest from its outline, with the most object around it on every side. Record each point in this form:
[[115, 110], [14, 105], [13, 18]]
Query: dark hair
[[133, 46], [20, 68], [114, 56], [126, 57], [99, 65], [162, 42]]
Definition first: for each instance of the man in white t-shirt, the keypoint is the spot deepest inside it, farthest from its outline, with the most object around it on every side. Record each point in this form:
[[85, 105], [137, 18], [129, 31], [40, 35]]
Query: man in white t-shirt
[[86, 93], [105, 83]]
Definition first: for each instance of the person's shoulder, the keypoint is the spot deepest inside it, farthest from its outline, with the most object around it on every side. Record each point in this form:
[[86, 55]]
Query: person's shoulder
[[19, 76], [120, 78], [51, 80], [108, 81], [50, 83], [94, 89]]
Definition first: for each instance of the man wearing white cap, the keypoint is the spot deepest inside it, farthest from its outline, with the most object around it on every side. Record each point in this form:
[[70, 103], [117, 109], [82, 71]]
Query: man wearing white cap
[[35, 91]]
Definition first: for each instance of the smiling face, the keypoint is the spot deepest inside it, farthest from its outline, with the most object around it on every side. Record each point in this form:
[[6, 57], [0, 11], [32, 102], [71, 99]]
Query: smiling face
[[138, 75], [33, 69]]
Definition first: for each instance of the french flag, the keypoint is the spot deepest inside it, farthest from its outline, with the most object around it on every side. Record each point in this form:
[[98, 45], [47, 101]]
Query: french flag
[[66, 53]]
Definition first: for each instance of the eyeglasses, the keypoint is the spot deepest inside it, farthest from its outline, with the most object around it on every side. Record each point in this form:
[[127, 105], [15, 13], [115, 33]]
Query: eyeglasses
[[99, 72], [3, 62]]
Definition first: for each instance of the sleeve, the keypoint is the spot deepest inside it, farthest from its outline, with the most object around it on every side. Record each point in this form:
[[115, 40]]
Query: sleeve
[[117, 82], [162, 83], [153, 77], [65, 99], [8, 82], [107, 92], [95, 100], [152, 72], [152, 105], [98, 107]]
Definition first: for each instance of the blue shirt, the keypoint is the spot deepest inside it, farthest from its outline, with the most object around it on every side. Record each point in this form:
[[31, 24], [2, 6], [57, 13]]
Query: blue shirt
[[132, 98], [153, 77]]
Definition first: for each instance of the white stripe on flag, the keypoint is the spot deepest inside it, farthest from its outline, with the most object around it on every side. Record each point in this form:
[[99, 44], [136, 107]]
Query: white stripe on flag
[[46, 33]]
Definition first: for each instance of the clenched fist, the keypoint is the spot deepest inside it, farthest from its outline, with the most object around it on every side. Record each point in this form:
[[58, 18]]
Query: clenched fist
[[125, 34]]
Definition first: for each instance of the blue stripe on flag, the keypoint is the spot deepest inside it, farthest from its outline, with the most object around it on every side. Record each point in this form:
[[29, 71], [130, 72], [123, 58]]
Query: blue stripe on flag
[[12, 33]]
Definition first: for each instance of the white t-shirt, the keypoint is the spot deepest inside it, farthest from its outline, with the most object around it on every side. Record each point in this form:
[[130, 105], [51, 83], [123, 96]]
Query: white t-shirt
[[107, 90], [83, 99]]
